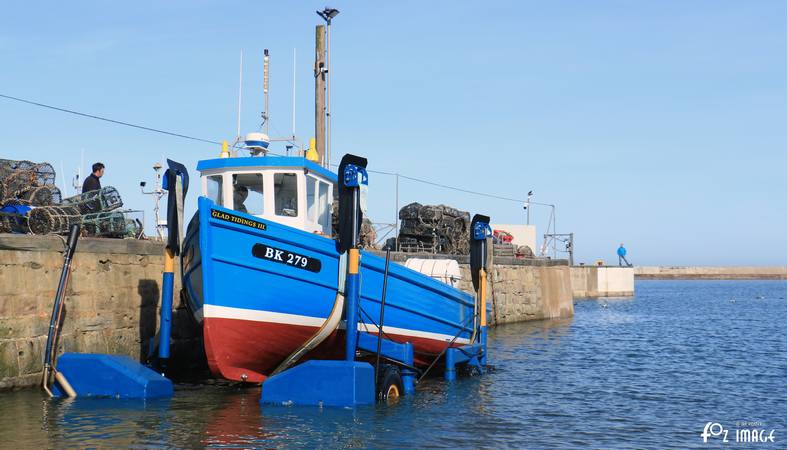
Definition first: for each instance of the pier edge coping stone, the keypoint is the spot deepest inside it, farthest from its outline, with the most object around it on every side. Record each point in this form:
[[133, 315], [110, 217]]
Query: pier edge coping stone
[[51, 243]]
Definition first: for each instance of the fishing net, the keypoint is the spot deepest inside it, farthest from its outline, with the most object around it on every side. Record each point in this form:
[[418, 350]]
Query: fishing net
[[53, 219], [114, 224], [100, 200], [434, 229]]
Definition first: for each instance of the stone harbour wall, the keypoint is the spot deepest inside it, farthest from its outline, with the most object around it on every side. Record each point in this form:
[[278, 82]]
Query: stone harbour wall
[[115, 289], [519, 289], [111, 306]]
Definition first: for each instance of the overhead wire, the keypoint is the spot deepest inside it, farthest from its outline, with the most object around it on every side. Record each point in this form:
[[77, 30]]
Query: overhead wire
[[106, 119], [208, 141]]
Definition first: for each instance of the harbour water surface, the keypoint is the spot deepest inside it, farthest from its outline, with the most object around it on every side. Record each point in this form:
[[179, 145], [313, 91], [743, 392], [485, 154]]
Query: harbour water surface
[[649, 371]]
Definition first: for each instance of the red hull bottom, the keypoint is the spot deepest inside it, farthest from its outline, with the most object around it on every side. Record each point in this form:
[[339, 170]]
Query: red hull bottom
[[245, 350]]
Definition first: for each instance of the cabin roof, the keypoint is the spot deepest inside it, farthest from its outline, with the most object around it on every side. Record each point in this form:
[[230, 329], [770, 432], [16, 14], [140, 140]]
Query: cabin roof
[[266, 161]]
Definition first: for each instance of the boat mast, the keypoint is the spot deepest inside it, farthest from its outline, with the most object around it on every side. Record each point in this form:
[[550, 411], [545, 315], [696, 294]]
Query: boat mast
[[265, 81]]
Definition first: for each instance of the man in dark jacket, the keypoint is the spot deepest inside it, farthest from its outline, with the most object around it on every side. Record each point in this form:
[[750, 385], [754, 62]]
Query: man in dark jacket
[[92, 182]]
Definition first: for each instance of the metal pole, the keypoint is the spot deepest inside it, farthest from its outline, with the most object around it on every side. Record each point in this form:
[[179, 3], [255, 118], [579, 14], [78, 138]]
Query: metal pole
[[554, 230], [240, 93], [571, 249], [396, 216], [294, 59], [352, 285], [382, 312], [265, 85]]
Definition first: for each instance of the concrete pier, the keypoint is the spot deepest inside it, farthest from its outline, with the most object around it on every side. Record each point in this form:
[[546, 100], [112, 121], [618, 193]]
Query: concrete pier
[[602, 281], [710, 273]]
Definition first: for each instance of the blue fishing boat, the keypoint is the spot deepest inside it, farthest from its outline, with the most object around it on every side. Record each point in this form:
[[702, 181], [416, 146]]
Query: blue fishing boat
[[264, 277]]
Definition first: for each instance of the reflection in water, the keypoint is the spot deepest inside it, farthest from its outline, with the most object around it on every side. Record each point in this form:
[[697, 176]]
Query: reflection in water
[[643, 372], [237, 422]]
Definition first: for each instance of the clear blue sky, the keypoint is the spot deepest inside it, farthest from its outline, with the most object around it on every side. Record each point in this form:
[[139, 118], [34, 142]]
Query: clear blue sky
[[657, 124]]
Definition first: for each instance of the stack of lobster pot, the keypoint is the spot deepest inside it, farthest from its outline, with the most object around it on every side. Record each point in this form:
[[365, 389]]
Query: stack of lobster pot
[[23, 185], [434, 229], [27, 183], [94, 210]]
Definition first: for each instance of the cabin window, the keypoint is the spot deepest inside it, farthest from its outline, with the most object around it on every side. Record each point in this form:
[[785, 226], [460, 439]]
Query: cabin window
[[311, 198], [247, 193], [214, 189], [324, 203], [285, 191]]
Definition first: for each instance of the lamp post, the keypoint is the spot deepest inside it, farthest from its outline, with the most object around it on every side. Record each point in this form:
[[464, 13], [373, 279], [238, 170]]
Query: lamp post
[[527, 206], [328, 14]]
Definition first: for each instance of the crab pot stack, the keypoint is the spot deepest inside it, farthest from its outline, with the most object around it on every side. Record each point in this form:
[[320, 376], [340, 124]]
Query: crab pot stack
[[104, 199], [13, 223], [29, 182], [53, 219], [93, 209], [113, 224], [368, 234], [434, 229]]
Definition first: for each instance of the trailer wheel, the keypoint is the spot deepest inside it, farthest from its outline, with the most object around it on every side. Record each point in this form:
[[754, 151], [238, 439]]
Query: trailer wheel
[[390, 387]]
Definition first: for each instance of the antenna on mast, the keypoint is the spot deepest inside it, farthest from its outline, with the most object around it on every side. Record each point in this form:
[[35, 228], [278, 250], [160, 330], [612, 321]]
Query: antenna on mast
[[240, 93], [265, 81], [294, 59]]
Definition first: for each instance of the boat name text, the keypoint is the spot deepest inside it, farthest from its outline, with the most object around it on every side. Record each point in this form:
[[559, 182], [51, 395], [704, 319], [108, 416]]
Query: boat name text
[[232, 218]]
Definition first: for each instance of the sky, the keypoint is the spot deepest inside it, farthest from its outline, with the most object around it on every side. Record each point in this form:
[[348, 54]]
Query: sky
[[657, 124]]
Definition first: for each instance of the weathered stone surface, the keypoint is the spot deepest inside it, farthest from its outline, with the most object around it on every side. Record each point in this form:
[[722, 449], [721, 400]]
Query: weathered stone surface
[[9, 363], [525, 292], [111, 305], [31, 354]]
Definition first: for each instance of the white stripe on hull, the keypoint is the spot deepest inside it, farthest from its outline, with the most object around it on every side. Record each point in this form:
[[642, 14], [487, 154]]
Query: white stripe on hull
[[226, 312]]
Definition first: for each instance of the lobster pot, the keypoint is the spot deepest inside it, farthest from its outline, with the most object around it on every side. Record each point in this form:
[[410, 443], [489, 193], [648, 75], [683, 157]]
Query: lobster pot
[[434, 229], [100, 200], [42, 196], [53, 219], [368, 235], [115, 224], [19, 181], [13, 223], [43, 173]]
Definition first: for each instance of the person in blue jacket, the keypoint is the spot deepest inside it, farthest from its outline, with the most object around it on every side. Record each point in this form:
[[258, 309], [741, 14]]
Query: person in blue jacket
[[622, 256]]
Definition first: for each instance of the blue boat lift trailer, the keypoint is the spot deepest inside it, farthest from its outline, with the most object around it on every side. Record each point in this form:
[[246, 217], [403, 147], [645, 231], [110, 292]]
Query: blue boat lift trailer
[[348, 382], [117, 376]]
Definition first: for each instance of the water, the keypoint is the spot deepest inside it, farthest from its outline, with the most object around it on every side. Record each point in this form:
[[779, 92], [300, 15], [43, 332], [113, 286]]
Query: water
[[644, 372]]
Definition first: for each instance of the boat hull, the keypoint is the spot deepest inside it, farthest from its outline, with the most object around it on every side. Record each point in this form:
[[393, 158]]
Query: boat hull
[[261, 289]]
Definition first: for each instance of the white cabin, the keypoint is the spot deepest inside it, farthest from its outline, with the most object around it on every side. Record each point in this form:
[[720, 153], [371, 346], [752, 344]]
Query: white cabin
[[292, 191]]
